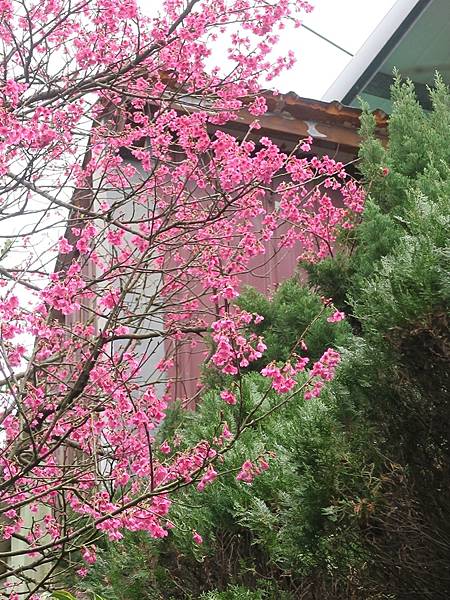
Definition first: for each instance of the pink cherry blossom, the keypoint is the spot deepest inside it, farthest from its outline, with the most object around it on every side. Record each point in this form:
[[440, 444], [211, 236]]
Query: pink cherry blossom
[[89, 555], [336, 317], [139, 211], [207, 478], [197, 537], [64, 247], [228, 397]]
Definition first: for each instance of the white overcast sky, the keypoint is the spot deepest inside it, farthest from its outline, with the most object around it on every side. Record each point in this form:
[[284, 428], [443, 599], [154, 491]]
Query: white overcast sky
[[348, 23]]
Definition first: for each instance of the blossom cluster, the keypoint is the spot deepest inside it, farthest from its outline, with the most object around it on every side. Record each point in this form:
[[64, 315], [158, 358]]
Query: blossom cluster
[[283, 378], [118, 159], [249, 470], [322, 371], [235, 350]]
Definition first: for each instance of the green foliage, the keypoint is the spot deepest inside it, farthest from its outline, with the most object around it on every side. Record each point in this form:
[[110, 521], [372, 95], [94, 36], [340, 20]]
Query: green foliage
[[411, 200], [298, 518], [396, 271], [126, 569], [240, 593], [65, 595], [291, 314], [233, 593], [356, 502]]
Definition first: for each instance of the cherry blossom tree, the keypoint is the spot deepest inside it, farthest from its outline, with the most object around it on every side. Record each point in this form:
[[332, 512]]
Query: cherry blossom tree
[[129, 214]]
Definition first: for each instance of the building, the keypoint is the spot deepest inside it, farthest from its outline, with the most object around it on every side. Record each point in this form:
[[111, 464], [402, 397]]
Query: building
[[413, 38], [334, 129]]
